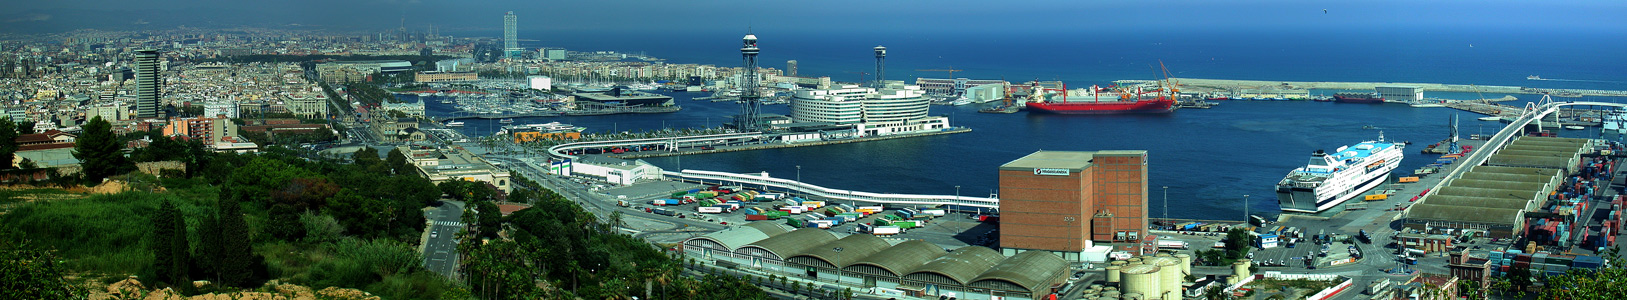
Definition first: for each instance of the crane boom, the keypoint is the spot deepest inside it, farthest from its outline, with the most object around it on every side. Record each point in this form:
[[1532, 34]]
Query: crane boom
[[951, 71]]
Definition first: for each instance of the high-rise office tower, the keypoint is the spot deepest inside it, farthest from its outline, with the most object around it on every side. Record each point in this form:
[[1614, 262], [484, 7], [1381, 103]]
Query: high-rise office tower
[[791, 68], [511, 43], [148, 84]]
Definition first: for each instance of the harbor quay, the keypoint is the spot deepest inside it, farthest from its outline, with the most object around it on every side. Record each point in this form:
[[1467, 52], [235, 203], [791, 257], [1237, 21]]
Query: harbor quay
[[1198, 85]]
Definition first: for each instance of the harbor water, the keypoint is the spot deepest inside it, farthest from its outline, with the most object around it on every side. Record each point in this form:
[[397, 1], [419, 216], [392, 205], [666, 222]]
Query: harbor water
[[1209, 158]]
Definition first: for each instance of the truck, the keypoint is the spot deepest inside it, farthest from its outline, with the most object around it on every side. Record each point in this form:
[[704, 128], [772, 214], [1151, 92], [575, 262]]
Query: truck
[[665, 202], [1172, 244], [621, 203], [865, 228], [664, 212], [934, 212], [709, 209], [756, 217], [886, 230]]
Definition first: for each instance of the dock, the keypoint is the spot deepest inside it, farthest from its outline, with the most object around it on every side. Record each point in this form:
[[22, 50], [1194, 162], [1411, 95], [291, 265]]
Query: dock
[[648, 154], [1226, 85]]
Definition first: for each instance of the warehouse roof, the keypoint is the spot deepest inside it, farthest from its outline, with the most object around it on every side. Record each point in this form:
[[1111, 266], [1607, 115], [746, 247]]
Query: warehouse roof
[[1033, 270], [1537, 153], [794, 242], [1071, 160], [1501, 185], [735, 237], [1489, 193], [963, 264], [904, 257], [1505, 177], [1550, 173], [1529, 161], [1469, 214], [1476, 202], [854, 247]]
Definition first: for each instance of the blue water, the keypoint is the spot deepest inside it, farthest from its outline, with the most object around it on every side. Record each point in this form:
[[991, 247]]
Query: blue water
[[1209, 158]]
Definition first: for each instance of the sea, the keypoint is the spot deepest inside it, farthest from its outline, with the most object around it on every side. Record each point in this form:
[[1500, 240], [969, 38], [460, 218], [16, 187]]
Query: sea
[[1212, 161]]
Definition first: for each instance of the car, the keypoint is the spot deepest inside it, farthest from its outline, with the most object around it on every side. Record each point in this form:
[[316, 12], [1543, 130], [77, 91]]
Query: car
[[434, 234]]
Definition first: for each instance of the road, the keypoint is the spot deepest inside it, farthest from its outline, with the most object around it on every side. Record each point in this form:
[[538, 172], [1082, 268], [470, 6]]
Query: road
[[441, 247]]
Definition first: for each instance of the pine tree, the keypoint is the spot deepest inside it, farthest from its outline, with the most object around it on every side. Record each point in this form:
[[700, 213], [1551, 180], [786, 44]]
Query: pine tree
[[235, 251], [8, 141], [171, 251], [99, 151], [398, 162], [209, 246], [163, 240]]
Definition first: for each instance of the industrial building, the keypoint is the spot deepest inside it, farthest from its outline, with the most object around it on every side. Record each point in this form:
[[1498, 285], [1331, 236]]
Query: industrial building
[[1495, 198], [541, 83], [865, 260], [1400, 93], [952, 87], [1057, 201], [614, 170]]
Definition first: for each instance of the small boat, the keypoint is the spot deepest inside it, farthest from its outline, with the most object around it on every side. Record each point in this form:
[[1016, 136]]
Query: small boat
[[454, 124], [1491, 118], [506, 121], [1369, 127], [1574, 127]]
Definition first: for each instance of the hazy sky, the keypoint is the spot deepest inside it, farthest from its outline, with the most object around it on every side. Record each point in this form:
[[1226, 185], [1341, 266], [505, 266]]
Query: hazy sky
[[832, 16]]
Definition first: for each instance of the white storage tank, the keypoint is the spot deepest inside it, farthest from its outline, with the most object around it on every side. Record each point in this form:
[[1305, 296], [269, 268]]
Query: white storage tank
[[1169, 277], [1186, 263], [1240, 268], [1113, 274], [1141, 279]]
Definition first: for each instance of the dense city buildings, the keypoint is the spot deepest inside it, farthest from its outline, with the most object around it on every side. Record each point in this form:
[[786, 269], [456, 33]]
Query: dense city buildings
[[1062, 201]]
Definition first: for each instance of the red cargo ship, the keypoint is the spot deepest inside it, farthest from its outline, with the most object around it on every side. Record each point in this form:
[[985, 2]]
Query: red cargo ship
[[1143, 106], [1357, 98]]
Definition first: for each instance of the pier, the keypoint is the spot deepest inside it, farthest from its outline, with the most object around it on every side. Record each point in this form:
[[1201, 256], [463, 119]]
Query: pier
[[1226, 85], [729, 142], [578, 112]]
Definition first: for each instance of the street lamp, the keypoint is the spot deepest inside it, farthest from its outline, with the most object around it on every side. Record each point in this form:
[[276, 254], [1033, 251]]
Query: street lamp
[[1071, 233], [799, 173], [957, 194], [838, 264], [1166, 204], [1245, 211]]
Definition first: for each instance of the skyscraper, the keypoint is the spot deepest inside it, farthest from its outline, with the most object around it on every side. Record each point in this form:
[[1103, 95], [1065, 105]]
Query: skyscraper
[[148, 84], [791, 68], [511, 44]]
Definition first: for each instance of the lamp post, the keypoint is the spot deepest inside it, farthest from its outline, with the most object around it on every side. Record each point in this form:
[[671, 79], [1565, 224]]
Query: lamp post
[[1166, 204], [957, 194], [838, 264], [1070, 233], [1245, 211], [799, 173]]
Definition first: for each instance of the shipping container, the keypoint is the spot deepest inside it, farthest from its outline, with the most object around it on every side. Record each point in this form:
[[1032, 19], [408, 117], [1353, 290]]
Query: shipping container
[[756, 217], [709, 209], [886, 230]]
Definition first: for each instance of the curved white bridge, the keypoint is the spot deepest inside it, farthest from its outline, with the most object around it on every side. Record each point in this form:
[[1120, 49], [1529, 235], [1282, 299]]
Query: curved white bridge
[[1532, 114], [762, 180]]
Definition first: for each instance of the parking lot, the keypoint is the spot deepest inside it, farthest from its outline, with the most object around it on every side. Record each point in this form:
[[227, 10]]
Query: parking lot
[[954, 230]]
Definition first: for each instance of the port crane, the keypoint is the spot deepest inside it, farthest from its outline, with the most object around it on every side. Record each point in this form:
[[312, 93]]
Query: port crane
[[951, 71]]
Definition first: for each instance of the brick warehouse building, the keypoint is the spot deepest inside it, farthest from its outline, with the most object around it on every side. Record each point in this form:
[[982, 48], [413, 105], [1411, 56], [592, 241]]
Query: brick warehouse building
[[1057, 200]]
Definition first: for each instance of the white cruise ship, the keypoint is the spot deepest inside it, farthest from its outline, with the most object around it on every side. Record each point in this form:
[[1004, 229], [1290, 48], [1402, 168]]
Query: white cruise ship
[[1330, 179]]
